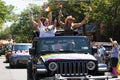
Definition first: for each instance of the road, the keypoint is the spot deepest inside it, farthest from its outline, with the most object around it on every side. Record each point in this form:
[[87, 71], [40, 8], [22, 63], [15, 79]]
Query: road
[[7, 73]]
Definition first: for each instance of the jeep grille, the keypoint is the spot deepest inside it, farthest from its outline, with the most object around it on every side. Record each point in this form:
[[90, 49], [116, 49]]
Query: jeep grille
[[72, 68]]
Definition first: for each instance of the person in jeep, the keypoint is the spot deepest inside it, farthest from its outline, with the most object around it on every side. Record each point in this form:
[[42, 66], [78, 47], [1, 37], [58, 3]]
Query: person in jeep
[[44, 25], [69, 24]]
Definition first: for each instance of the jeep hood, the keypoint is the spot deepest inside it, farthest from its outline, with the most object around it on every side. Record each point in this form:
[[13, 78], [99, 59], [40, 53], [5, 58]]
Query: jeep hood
[[74, 56]]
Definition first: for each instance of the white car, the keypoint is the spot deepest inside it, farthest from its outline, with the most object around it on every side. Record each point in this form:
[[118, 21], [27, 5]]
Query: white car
[[20, 54]]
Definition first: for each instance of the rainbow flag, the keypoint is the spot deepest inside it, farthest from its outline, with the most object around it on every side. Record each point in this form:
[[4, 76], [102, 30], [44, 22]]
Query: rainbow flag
[[59, 5], [30, 4], [48, 56], [89, 9], [46, 7], [74, 56]]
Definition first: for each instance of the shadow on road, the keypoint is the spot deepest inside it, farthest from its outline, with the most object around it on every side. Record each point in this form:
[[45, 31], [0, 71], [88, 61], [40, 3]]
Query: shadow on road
[[17, 67]]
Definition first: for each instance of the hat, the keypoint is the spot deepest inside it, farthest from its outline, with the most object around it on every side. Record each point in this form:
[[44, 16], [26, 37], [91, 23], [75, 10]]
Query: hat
[[115, 42], [70, 18]]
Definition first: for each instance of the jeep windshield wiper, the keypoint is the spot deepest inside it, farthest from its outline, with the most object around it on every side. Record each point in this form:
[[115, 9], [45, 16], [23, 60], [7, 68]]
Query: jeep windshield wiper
[[61, 51], [72, 51], [68, 51], [48, 51]]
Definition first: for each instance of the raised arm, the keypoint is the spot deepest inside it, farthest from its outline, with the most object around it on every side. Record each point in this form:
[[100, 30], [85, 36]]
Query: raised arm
[[50, 17], [35, 24], [55, 22], [59, 19], [111, 40], [39, 18], [76, 25]]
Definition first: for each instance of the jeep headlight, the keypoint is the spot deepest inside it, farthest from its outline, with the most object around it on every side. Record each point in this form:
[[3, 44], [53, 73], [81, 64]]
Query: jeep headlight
[[91, 65], [52, 66]]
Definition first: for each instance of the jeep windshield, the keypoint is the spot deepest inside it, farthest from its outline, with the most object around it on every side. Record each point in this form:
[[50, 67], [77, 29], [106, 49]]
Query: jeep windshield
[[63, 44]]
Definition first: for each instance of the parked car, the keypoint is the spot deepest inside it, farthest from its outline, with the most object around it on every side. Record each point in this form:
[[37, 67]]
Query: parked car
[[61, 57], [20, 54]]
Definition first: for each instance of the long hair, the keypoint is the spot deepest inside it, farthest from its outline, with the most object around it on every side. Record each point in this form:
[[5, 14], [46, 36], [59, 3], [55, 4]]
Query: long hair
[[67, 19], [43, 19]]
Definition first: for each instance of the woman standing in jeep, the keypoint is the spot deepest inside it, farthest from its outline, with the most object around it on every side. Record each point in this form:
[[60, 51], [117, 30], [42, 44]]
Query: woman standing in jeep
[[44, 25], [69, 24]]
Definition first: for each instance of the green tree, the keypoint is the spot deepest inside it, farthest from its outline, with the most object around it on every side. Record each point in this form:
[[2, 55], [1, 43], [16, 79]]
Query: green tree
[[75, 8], [22, 29], [6, 14], [5, 34], [3, 12], [103, 11], [107, 11]]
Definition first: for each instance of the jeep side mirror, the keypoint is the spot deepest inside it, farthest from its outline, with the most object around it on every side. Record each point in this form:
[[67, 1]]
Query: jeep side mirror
[[32, 51]]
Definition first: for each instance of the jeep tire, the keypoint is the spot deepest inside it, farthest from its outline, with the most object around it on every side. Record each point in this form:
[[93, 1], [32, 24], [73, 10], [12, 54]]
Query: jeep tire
[[35, 76], [29, 71], [11, 65]]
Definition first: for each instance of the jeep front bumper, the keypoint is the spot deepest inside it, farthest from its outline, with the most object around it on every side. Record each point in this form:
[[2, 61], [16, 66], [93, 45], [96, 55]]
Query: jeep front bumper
[[58, 76]]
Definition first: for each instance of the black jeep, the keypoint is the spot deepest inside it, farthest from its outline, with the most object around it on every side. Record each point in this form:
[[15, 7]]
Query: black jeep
[[61, 57]]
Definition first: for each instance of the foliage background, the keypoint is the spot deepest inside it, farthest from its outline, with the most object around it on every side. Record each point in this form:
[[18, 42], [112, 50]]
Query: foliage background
[[103, 11]]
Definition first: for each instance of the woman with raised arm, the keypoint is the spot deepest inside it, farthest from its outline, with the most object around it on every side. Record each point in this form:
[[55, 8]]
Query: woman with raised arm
[[114, 57], [69, 24], [44, 25]]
